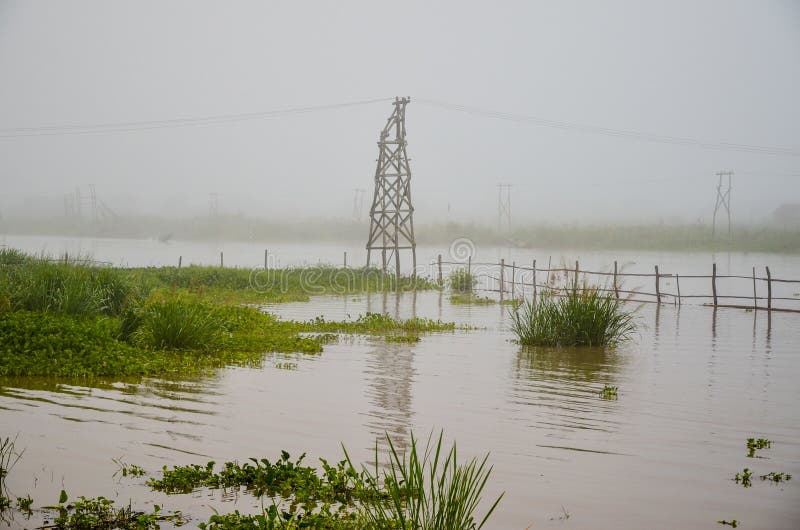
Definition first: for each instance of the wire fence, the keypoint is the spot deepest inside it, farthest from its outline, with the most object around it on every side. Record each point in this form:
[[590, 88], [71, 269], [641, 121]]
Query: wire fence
[[754, 291]]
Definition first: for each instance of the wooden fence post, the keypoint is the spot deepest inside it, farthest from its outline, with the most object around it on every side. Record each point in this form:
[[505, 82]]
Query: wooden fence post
[[755, 297], [575, 283], [66, 257], [678, 285], [345, 259], [513, 278], [221, 260], [616, 289], [266, 263], [502, 281], [439, 261], [769, 290], [658, 288], [180, 260], [534, 281], [469, 272], [714, 283]]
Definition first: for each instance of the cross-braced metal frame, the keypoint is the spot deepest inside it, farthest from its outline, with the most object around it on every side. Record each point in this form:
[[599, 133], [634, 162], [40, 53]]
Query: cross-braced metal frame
[[723, 200], [391, 227]]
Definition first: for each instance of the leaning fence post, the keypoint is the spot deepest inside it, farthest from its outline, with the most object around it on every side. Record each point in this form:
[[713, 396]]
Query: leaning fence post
[[513, 278], [469, 273], [755, 297], [221, 260], [439, 261], [658, 289], [616, 289], [534, 281], [180, 260], [502, 282], [769, 290], [714, 283], [678, 285]]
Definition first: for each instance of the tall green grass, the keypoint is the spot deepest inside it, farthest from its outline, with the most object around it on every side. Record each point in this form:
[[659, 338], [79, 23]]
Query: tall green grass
[[462, 281], [36, 284], [427, 490], [175, 324], [584, 317]]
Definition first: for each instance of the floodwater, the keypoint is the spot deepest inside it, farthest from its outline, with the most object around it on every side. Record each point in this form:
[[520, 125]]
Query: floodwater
[[694, 384]]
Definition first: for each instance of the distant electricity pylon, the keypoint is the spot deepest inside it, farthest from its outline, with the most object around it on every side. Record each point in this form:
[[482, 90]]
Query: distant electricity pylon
[[213, 204], [504, 207], [358, 203], [391, 227], [81, 206], [723, 200]]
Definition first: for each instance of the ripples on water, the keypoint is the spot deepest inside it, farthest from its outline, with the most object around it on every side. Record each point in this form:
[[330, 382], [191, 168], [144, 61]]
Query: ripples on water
[[693, 386]]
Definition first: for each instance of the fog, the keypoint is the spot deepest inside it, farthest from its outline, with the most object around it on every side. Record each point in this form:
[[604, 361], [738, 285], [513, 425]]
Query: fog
[[715, 71]]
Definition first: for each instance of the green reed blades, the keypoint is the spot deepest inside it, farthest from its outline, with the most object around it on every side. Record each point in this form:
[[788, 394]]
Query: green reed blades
[[584, 317], [427, 490]]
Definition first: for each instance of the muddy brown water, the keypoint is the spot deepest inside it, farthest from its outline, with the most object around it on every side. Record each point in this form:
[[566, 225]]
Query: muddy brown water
[[694, 384]]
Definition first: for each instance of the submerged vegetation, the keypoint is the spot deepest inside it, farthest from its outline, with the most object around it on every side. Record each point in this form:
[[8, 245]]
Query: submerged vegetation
[[418, 490], [608, 392], [585, 317], [77, 320]]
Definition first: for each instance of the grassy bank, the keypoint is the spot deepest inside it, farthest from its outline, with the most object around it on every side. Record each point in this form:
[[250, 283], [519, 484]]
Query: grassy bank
[[598, 236], [75, 320]]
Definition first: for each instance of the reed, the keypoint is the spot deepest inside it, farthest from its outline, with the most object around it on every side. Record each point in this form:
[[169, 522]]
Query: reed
[[584, 317], [427, 490], [462, 281]]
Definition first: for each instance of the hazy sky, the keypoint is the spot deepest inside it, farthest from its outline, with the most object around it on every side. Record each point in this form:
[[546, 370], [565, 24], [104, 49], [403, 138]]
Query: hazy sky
[[724, 71]]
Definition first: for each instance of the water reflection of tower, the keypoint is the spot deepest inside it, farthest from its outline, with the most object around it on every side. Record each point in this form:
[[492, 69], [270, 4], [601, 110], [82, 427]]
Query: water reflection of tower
[[390, 375]]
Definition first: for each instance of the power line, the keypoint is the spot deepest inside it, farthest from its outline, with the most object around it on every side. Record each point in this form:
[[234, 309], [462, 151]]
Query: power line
[[607, 131], [52, 130]]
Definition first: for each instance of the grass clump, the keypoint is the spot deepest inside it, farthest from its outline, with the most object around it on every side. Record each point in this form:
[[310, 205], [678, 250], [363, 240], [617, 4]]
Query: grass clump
[[427, 490], [583, 317], [462, 281], [470, 299], [378, 323]]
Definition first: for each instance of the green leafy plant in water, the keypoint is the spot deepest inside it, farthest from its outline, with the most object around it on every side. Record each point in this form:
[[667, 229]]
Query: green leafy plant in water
[[744, 478], [583, 317], [471, 299], [754, 444], [775, 478], [125, 469], [427, 490], [24, 504], [608, 392], [402, 338], [101, 513]]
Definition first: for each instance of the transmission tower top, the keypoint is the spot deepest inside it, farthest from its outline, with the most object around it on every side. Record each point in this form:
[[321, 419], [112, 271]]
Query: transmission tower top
[[391, 215]]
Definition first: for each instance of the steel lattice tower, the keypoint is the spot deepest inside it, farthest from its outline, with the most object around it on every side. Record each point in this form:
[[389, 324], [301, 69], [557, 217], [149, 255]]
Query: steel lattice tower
[[391, 227]]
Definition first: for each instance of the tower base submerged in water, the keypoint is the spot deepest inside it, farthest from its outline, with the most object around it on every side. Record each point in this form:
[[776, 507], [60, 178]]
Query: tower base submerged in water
[[391, 227]]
